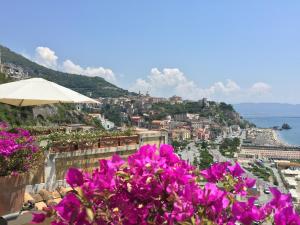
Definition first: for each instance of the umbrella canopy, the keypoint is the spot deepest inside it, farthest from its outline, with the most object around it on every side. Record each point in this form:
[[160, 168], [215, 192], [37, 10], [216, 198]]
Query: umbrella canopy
[[38, 91]]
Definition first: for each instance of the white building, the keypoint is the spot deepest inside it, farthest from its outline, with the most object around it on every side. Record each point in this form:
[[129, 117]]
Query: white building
[[107, 125], [292, 181]]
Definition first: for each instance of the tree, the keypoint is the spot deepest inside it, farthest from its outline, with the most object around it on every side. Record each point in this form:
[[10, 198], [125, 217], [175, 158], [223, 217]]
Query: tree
[[204, 145]]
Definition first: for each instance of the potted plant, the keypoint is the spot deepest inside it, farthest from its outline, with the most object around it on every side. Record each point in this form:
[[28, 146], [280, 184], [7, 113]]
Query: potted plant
[[18, 154]]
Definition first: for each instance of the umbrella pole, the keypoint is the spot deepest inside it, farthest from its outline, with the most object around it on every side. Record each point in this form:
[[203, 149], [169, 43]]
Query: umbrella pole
[[21, 102]]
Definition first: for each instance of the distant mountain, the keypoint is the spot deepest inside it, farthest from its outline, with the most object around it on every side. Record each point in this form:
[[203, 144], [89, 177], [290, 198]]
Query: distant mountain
[[268, 109], [83, 84]]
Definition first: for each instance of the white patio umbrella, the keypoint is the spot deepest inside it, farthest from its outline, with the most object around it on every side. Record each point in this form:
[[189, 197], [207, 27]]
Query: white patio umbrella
[[38, 91]]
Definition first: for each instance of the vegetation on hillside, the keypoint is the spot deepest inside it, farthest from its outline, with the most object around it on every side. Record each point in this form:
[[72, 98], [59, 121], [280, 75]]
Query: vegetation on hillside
[[113, 113], [97, 86], [23, 116], [221, 113]]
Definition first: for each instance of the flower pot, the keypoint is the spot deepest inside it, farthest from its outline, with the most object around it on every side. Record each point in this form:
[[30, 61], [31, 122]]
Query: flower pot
[[129, 140], [95, 144], [109, 142], [84, 145], [12, 193], [74, 146], [61, 147]]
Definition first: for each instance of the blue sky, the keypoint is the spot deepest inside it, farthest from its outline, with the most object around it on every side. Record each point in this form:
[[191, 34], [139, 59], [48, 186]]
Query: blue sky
[[236, 51]]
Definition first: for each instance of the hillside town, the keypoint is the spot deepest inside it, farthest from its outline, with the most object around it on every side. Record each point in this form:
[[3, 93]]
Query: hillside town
[[137, 111]]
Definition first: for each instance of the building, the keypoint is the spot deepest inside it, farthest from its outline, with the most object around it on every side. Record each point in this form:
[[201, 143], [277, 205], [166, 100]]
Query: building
[[159, 124], [271, 152], [152, 137], [186, 117], [204, 102], [157, 100], [176, 124], [235, 128], [291, 179], [195, 124], [202, 134], [285, 164], [137, 121], [106, 124], [175, 100], [201, 122], [181, 134], [14, 71]]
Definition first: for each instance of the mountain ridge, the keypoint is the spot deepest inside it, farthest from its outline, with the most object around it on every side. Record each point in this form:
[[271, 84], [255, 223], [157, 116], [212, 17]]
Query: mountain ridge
[[97, 86]]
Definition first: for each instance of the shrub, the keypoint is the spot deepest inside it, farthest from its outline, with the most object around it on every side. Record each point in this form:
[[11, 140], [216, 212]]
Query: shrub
[[18, 150]]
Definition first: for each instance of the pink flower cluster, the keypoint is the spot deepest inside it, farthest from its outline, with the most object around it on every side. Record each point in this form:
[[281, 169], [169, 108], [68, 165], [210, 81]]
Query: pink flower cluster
[[155, 186], [17, 148], [13, 140]]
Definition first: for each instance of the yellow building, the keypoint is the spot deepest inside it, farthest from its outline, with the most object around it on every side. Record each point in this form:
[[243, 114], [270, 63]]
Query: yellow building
[[181, 134]]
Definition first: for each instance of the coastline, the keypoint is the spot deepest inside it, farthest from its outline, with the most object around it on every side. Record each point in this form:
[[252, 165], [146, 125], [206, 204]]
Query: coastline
[[285, 137], [279, 140], [267, 137]]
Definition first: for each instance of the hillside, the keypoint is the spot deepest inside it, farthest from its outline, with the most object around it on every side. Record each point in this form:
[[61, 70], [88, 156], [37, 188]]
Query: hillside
[[82, 84], [268, 109], [221, 113]]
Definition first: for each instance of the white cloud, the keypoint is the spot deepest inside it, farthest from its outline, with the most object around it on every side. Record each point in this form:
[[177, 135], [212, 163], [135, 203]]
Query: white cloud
[[141, 86], [228, 88], [172, 81], [70, 67], [46, 57], [165, 82], [260, 88]]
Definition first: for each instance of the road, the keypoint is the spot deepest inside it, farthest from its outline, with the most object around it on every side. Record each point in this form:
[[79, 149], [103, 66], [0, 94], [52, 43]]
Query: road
[[190, 152], [280, 182]]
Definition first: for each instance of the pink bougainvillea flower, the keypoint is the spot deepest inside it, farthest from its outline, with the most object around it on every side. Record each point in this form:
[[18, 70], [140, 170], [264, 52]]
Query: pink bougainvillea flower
[[242, 185], [38, 218], [68, 209], [287, 216], [156, 187], [280, 200], [250, 182], [246, 212], [74, 177], [116, 161], [17, 150], [215, 172], [236, 170]]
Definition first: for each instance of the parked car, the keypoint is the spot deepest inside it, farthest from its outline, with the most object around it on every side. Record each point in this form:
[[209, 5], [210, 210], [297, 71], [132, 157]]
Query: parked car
[[267, 191]]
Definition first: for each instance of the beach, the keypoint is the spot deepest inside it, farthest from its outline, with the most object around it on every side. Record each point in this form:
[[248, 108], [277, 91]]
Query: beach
[[266, 137]]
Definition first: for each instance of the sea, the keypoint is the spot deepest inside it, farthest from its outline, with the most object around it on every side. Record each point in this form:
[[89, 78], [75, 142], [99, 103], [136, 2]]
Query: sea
[[291, 136]]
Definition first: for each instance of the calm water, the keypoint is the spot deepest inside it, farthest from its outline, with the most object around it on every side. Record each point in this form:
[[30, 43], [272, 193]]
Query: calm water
[[291, 136]]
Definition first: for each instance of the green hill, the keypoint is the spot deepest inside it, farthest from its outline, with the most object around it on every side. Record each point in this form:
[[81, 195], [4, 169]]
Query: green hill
[[82, 84]]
